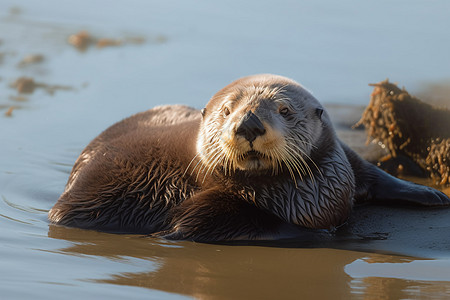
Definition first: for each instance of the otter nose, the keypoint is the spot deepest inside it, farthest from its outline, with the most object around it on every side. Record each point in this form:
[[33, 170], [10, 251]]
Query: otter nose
[[250, 127]]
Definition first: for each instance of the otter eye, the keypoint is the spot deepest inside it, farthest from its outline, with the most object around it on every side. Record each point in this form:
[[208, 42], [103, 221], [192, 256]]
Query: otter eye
[[226, 111], [284, 111]]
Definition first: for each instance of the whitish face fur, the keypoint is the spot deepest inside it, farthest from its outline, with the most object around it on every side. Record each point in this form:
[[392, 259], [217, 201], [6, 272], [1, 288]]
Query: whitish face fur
[[260, 124]]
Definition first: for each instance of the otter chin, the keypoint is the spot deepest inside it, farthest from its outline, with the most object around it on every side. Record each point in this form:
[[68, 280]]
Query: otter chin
[[253, 161], [262, 156]]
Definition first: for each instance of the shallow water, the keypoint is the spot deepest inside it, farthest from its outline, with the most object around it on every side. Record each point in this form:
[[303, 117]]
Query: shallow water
[[189, 51]]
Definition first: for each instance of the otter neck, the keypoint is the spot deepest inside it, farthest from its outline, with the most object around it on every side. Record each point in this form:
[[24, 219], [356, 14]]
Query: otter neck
[[322, 202]]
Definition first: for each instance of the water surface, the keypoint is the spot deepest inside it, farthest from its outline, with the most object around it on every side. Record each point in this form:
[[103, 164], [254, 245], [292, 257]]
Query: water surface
[[189, 51]]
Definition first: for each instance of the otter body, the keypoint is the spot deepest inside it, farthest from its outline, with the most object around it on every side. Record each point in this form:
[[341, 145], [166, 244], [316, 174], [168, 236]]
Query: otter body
[[261, 157]]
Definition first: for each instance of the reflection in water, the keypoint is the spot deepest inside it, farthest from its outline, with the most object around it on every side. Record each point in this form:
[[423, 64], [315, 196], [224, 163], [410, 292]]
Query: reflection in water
[[379, 288], [218, 271], [381, 278], [433, 270], [208, 271], [392, 288]]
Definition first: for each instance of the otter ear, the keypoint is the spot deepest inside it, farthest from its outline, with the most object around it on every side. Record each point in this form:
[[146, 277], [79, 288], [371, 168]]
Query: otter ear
[[203, 111], [319, 112]]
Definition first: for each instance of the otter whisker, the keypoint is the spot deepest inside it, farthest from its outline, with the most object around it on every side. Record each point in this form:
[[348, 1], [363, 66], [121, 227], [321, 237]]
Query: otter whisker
[[190, 163], [301, 153], [302, 139], [226, 161], [303, 165], [199, 163], [288, 165], [291, 151], [193, 159], [300, 161], [232, 160], [228, 158], [275, 162], [218, 156], [315, 165], [216, 151], [308, 169], [299, 138], [297, 167], [309, 158], [225, 164], [213, 166], [279, 159], [200, 160]]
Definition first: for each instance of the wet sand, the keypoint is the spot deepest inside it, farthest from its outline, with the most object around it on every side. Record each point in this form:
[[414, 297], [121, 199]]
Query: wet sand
[[158, 55]]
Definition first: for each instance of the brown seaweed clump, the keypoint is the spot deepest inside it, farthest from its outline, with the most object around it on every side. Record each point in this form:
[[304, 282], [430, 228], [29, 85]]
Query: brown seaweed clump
[[30, 59], [9, 112], [83, 40], [406, 126], [26, 85], [438, 161]]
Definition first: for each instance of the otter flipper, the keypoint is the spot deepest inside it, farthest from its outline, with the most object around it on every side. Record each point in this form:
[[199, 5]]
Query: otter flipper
[[376, 186], [386, 188]]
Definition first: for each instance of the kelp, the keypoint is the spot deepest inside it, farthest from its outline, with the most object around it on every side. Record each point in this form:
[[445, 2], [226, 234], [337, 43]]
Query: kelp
[[407, 126]]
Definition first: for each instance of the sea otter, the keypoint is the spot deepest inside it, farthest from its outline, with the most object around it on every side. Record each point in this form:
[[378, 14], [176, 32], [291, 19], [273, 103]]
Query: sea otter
[[262, 156]]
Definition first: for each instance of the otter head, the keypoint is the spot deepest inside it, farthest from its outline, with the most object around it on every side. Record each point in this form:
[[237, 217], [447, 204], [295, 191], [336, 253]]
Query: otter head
[[260, 124]]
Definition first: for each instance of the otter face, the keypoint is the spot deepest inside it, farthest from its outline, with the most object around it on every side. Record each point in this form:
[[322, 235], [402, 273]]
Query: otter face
[[260, 124]]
